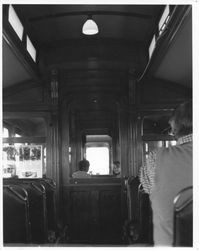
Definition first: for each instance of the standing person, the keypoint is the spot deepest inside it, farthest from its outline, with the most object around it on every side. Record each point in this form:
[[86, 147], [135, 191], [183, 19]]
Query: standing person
[[83, 169], [168, 171]]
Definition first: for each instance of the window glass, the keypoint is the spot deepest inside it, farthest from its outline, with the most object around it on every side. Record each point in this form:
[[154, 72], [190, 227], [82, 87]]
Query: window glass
[[24, 160], [164, 19], [149, 146], [5, 132], [31, 49], [99, 160], [17, 135], [69, 154], [152, 46], [15, 22]]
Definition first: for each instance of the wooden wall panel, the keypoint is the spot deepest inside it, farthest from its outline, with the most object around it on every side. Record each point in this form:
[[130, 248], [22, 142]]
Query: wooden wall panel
[[110, 215], [94, 213]]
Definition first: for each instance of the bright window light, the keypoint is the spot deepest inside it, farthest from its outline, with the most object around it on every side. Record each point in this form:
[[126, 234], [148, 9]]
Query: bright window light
[[170, 143], [15, 22], [146, 147], [99, 160], [173, 143], [5, 133], [164, 19], [31, 49], [17, 135], [152, 46]]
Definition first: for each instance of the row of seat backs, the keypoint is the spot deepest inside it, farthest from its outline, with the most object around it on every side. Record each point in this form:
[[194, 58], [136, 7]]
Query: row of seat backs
[[28, 210]]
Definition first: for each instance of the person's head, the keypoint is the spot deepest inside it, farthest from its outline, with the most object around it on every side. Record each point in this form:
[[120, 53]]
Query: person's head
[[116, 167], [84, 165], [181, 120]]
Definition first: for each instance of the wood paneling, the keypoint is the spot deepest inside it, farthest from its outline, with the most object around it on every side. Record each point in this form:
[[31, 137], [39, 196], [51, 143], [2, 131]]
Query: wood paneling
[[94, 212]]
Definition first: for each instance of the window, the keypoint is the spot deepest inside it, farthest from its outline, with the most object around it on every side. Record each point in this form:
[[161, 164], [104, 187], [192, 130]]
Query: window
[[24, 150], [161, 26], [23, 160], [152, 46], [98, 153], [150, 146], [5, 132], [15, 22], [156, 133], [31, 49], [163, 20], [69, 154], [99, 160]]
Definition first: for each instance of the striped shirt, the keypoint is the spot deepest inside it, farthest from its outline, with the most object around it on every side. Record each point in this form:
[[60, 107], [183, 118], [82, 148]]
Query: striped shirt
[[147, 171]]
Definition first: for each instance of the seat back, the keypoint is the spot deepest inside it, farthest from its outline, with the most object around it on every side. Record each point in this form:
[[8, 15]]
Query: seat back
[[183, 218], [132, 198], [16, 220], [139, 214], [38, 211], [37, 207], [50, 188], [145, 216]]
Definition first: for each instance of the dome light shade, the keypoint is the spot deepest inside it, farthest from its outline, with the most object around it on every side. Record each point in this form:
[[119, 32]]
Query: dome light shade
[[90, 27]]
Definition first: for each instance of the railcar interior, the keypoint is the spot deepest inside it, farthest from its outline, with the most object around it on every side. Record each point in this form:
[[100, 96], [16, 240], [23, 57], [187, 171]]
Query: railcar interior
[[105, 95]]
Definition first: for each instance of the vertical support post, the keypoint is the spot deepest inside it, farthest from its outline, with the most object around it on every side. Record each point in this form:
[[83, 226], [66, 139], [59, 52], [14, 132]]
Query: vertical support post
[[55, 169], [124, 140], [134, 128]]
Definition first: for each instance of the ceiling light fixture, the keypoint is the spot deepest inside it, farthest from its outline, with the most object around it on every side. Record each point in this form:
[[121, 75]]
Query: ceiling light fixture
[[90, 27]]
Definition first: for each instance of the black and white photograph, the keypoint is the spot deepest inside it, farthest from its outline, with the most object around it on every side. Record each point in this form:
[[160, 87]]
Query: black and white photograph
[[99, 121]]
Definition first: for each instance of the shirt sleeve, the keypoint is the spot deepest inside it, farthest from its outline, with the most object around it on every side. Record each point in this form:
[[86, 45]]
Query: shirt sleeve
[[147, 172]]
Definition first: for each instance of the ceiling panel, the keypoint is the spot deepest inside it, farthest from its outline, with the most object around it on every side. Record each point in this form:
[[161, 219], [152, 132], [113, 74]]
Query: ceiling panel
[[12, 68], [176, 65]]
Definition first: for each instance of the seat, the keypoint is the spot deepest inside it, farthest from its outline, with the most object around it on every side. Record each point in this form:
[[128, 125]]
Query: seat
[[145, 216], [138, 228], [37, 207], [50, 188], [183, 218], [16, 219], [132, 198]]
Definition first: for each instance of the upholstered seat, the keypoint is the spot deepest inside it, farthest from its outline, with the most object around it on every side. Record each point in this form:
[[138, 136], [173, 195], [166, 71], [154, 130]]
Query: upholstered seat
[[16, 220], [183, 218], [37, 207]]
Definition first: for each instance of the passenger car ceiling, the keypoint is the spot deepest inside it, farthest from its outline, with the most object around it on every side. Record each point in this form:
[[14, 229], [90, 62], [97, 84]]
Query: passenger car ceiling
[[50, 26], [130, 23], [52, 23]]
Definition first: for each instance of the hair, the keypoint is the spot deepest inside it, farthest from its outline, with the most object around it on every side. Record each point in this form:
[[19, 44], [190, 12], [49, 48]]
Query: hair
[[84, 165], [181, 120]]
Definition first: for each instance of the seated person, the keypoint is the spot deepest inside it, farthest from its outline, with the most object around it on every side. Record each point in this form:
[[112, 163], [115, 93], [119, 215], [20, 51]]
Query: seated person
[[167, 171], [116, 169], [83, 169]]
